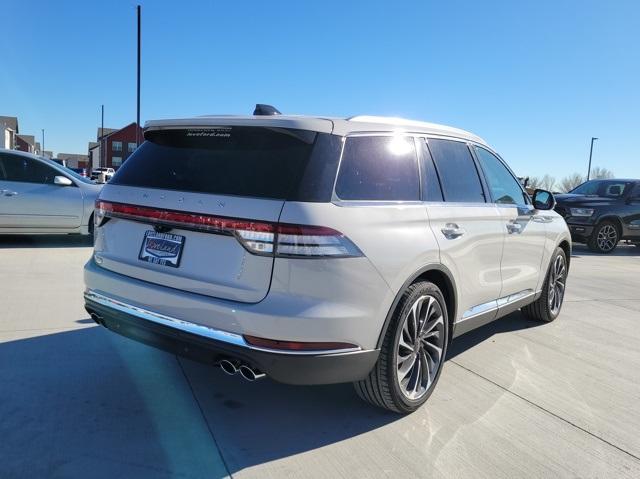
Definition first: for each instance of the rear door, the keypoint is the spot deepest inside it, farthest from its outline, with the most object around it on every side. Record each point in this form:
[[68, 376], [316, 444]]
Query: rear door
[[193, 209], [469, 231], [30, 200], [524, 228]]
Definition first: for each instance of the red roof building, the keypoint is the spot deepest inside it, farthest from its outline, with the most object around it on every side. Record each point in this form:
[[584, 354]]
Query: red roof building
[[118, 145]]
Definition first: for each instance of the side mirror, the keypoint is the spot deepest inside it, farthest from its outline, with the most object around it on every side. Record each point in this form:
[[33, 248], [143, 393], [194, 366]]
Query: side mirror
[[543, 200], [62, 181]]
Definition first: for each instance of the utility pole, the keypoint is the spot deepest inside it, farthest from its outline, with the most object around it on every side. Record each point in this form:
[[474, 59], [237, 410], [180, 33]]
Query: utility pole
[[138, 84], [102, 136], [590, 155]]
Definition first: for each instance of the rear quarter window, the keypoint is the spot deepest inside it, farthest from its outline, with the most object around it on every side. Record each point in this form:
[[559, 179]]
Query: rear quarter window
[[382, 168]]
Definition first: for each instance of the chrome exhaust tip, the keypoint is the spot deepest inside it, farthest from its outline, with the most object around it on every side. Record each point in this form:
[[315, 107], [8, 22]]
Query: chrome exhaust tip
[[250, 374], [228, 367]]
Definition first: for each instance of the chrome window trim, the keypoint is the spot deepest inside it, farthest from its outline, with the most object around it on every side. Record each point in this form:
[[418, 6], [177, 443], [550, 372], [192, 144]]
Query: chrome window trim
[[196, 329]]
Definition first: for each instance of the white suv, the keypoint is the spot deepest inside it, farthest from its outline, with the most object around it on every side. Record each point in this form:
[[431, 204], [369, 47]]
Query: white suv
[[320, 250]]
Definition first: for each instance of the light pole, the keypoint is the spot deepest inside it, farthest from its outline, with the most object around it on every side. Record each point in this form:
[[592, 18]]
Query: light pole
[[102, 163], [138, 9], [593, 138], [42, 152]]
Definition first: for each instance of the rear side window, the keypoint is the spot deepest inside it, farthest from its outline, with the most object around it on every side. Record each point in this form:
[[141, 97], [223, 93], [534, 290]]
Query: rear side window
[[457, 171], [25, 170], [241, 161], [382, 168]]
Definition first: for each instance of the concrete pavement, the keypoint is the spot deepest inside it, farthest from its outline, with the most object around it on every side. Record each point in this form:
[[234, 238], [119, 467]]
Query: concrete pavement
[[516, 399]]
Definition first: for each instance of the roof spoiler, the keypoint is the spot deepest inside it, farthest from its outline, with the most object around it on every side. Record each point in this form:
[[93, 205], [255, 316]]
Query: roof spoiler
[[265, 110]]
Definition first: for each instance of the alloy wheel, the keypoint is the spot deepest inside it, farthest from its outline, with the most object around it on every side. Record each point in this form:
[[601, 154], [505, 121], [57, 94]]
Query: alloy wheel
[[557, 280], [420, 347], [607, 238]]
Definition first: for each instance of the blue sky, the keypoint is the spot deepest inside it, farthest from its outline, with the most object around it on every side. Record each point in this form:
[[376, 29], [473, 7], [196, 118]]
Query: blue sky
[[536, 79]]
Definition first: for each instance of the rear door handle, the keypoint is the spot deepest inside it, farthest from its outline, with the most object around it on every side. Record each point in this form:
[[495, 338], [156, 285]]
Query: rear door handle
[[514, 228], [452, 231]]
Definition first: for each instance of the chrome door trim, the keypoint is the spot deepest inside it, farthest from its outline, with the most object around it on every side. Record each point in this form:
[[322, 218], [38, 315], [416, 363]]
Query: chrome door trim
[[478, 310], [495, 304]]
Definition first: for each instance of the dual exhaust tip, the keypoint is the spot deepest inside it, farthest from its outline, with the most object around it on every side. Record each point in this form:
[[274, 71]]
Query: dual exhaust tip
[[230, 367], [247, 372]]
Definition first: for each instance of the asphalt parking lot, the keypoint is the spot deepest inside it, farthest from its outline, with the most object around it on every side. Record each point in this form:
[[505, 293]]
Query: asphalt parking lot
[[516, 398]]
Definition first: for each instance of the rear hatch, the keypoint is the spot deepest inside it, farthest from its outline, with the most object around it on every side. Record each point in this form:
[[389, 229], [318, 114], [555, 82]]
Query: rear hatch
[[193, 208]]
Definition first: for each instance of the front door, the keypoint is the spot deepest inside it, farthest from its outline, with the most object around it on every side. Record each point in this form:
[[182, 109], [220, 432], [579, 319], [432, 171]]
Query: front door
[[525, 233]]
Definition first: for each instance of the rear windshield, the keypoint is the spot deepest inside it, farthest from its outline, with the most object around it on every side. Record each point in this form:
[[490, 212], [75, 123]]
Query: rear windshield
[[241, 161]]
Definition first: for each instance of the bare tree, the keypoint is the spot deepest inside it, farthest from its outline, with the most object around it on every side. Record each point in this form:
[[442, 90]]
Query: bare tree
[[546, 182], [534, 182], [570, 182], [598, 173]]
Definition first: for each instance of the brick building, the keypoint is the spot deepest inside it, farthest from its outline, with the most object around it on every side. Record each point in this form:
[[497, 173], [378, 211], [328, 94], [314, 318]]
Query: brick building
[[117, 145], [74, 160], [27, 143]]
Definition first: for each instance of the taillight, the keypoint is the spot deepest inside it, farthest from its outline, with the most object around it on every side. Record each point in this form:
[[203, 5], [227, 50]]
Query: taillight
[[257, 237], [313, 241]]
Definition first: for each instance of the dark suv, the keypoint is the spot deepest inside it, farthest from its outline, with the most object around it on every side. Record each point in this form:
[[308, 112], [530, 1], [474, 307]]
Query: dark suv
[[600, 213]]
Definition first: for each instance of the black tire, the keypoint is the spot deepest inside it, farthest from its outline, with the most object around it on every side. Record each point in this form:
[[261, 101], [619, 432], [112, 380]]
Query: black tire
[[605, 237], [541, 309], [382, 387]]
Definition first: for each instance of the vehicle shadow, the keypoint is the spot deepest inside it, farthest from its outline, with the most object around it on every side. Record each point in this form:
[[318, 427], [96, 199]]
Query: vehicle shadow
[[260, 422], [623, 249], [45, 241], [515, 321], [89, 402]]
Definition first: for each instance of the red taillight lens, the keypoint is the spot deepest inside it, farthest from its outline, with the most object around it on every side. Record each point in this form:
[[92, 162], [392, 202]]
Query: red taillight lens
[[296, 345], [258, 237]]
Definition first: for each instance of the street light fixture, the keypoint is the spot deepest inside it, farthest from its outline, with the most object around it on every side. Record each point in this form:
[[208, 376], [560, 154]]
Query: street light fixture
[[590, 155]]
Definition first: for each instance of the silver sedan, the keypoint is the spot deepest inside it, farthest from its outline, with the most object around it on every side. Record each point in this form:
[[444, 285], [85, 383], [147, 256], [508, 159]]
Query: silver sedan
[[38, 195]]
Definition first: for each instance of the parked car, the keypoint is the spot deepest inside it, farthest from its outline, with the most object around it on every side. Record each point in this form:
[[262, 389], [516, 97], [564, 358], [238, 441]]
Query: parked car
[[37, 195], [318, 250], [102, 174], [600, 213]]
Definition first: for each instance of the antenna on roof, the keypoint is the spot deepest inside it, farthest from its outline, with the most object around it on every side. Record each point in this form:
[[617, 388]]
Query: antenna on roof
[[266, 110]]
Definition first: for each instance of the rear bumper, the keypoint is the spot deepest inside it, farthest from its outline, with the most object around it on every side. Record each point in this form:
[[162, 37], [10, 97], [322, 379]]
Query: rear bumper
[[210, 345]]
